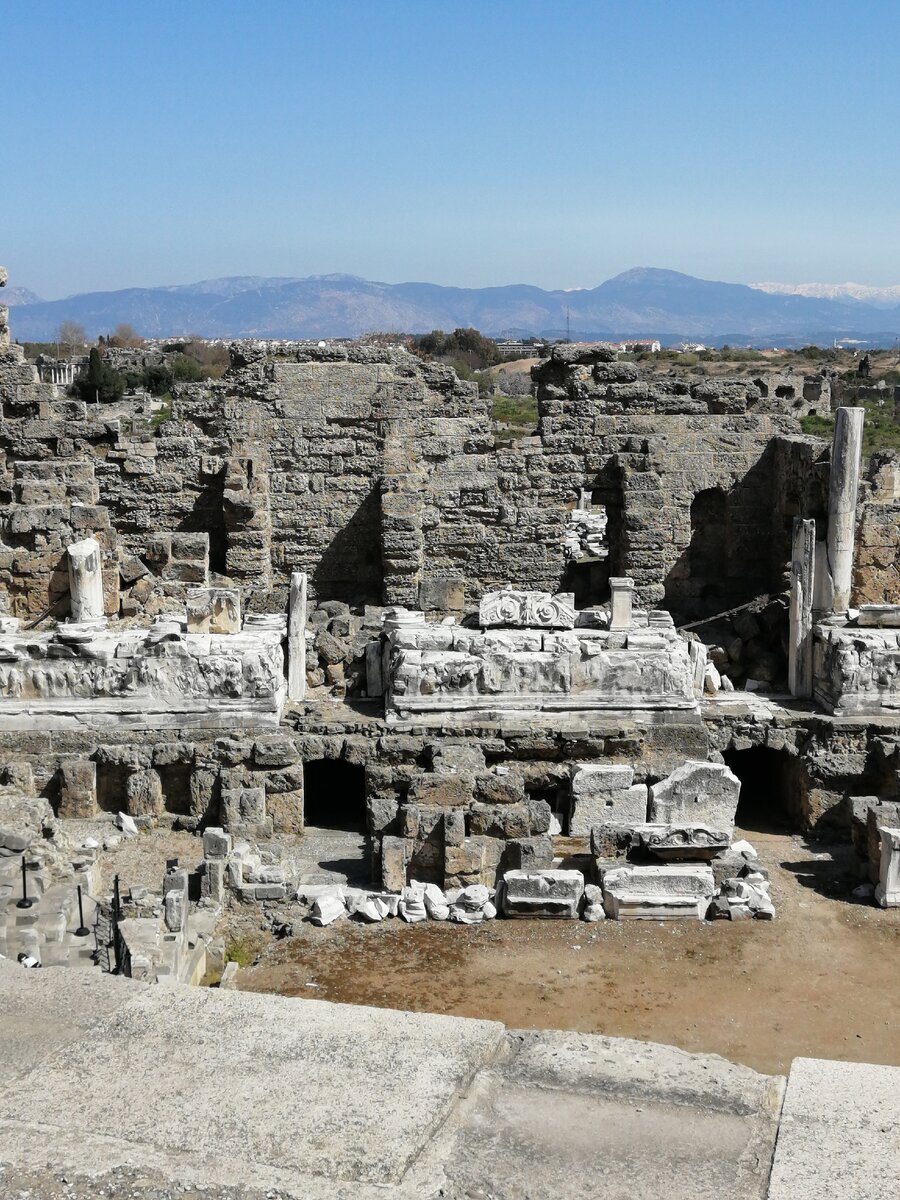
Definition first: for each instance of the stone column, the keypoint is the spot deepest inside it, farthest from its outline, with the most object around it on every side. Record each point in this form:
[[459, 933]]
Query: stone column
[[296, 637], [842, 488], [887, 893], [800, 660], [85, 581], [620, 616]]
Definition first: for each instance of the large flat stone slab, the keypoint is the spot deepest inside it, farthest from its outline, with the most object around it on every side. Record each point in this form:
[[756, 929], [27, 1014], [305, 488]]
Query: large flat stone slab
[[840, 1132], [247, 1086], [575, 1115], [41, 1011]]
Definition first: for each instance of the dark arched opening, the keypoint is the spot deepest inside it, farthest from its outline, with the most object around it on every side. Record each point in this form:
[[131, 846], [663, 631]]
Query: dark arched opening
[[334, 795], [769, 800]]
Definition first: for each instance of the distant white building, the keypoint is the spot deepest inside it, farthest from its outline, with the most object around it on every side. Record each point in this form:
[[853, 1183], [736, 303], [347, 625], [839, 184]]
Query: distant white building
[[641, 345]]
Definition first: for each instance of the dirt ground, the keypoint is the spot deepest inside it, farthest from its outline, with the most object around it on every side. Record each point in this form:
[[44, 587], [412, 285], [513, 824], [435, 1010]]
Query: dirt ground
[[820, 980]]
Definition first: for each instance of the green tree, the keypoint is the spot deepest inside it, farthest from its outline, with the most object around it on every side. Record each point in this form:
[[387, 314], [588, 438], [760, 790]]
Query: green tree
[[101, 384]]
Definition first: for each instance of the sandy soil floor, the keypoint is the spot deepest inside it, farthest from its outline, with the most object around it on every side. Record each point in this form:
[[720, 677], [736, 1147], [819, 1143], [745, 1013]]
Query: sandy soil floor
[[820, 980]]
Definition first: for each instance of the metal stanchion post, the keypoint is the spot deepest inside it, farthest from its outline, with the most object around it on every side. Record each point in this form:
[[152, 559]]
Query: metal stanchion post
[[82, 930], [24, 902]]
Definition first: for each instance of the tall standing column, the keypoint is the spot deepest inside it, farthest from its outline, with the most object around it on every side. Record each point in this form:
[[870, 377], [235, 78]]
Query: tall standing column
[[842, 488], [800, 663], [296, 639], [85, 581]]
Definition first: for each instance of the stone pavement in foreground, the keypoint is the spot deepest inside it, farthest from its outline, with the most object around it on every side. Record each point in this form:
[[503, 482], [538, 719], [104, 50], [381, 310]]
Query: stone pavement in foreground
[[111, 1088]]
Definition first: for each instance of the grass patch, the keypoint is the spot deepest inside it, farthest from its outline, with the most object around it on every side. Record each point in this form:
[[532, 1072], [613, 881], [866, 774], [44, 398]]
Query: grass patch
[[880, 430], [243, 950], [163, 414], [520, 411]]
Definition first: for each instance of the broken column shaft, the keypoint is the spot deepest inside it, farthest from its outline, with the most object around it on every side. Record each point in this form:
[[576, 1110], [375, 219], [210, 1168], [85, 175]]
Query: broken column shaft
[[85, 581], [842, 488], [800, 672], [296, 637]]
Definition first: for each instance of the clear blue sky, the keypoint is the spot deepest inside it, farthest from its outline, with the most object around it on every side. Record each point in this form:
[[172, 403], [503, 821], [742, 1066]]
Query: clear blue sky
[[467, 142]]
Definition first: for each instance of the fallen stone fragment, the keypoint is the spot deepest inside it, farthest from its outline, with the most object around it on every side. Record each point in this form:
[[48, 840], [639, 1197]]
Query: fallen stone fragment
[[327, 909], [126, 824], [411, 907], [435, 903], [546, 894], [593, 903], [658, 893]]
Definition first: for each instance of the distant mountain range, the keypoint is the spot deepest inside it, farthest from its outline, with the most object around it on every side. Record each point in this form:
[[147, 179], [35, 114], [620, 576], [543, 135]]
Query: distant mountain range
[[644, 302], [881, 297]]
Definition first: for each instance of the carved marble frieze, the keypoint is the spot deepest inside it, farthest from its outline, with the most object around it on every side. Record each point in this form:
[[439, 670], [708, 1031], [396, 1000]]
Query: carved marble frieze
[[513, 609]]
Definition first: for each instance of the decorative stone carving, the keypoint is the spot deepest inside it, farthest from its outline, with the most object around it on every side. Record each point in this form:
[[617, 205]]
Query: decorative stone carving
[[214, 610], [526, 610], [152, 678], [676, 891], [856, 670], [448, 667], [672, 842], [542, 894]]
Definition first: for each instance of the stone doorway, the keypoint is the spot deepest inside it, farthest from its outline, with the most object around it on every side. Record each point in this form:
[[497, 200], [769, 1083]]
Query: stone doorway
[[769, 800], [334, 795]]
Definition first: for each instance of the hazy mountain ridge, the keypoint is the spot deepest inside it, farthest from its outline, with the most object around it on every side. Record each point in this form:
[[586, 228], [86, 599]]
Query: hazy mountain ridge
[[643, 302]]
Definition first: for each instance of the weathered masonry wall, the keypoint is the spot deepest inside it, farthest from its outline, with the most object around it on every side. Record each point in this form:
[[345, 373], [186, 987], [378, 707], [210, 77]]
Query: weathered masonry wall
[[379, 475]]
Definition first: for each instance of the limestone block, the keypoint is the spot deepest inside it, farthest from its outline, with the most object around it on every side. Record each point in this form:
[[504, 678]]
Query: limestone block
[[328, 908], [144, 794], [658, 893], [542, 894], [216, 843], [285, 810], [529, 854], [78, 788], [612, 842], [605, 794], [381, 814], [492, 788], [374, 672], [275, 751], [887, 892], [395, 855], [697, 793], [243, 808], [506, 820], [463, 864], [212, 883], [442, 791]]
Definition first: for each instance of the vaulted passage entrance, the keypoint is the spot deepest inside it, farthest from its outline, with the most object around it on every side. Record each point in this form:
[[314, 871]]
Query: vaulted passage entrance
[[334, 795], [769, 801]]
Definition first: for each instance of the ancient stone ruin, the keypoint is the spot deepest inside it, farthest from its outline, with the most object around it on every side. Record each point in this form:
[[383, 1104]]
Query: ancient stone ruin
[[537, 676]]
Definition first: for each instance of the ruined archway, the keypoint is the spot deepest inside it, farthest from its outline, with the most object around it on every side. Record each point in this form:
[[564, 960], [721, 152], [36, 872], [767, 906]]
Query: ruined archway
[[769, 800], [334, 795]]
